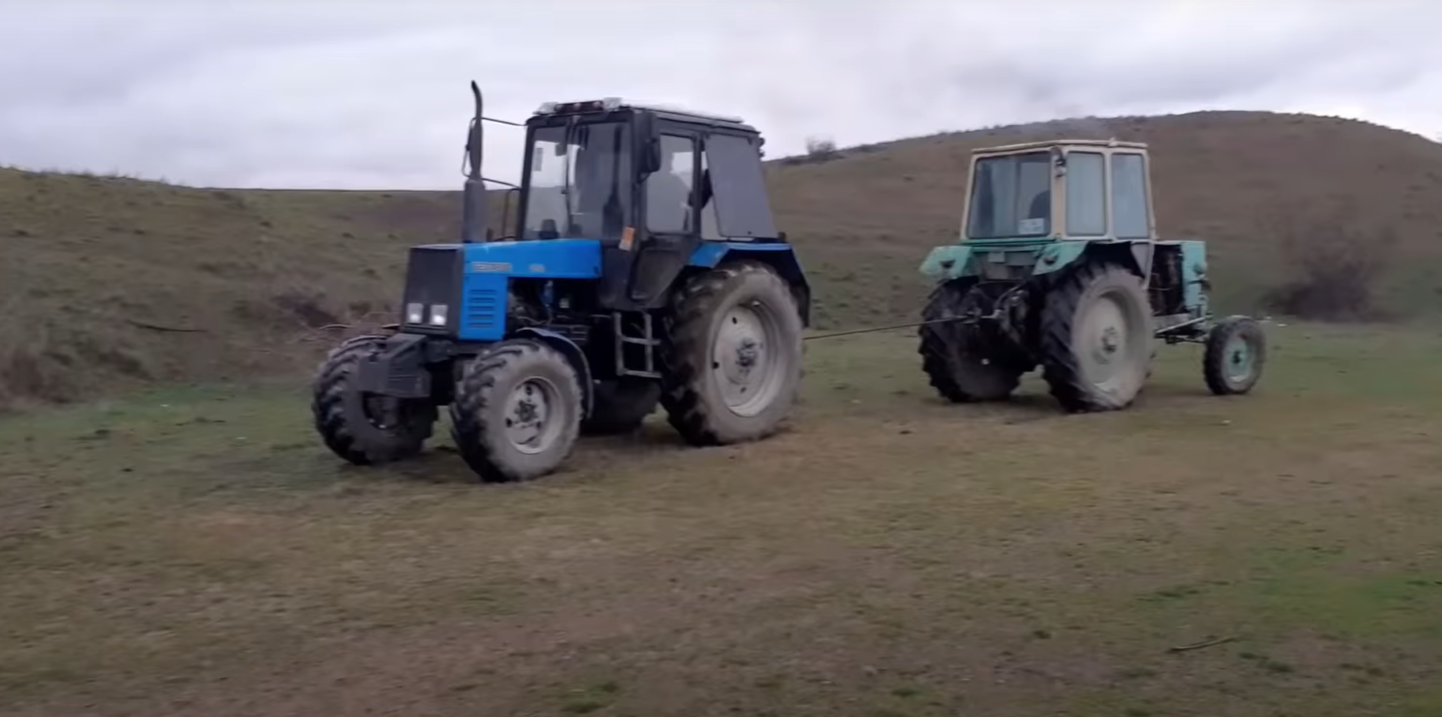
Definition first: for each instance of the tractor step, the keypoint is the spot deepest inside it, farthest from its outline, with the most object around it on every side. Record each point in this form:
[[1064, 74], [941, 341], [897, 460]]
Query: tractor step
[[647, 340]]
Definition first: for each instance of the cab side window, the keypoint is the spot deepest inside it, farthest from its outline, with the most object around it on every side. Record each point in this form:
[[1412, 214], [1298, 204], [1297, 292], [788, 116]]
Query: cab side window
[[1129, 196], [669, 190]]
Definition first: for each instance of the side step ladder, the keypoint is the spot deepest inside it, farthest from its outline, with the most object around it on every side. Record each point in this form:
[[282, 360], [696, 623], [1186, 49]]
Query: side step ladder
[[647, 340]]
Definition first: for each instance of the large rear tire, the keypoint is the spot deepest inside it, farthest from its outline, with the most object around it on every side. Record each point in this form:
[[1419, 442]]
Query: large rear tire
[[731, 355], [1236, 352], [1096, 338], [362, 428], [621, 405], [517, 410], [961, 360]]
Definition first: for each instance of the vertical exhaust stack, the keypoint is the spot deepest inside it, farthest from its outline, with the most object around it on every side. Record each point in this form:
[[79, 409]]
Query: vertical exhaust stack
[[474, 219]]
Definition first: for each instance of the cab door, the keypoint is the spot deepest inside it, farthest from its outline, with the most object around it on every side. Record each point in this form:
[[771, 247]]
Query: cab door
[[671, 217]]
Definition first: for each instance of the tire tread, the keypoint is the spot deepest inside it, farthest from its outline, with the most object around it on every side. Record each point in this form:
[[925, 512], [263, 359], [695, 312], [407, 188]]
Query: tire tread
[[682, 358]]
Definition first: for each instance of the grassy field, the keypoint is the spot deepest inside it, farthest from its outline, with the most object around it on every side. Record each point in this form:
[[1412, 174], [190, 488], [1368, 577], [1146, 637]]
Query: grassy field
[[196, 552]]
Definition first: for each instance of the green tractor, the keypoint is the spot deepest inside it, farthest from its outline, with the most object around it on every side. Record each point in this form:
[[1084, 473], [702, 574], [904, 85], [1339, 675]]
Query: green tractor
[[1060, 267]]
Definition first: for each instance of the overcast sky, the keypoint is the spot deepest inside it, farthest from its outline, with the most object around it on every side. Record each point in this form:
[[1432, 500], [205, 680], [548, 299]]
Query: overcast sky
[[356, 94]]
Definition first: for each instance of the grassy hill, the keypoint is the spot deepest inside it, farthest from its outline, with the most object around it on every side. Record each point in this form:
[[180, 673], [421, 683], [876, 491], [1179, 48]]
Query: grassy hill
[[107, 283]]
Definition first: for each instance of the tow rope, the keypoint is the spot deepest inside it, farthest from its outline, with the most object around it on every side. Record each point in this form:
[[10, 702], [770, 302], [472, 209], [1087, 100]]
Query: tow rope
[[883, 328]]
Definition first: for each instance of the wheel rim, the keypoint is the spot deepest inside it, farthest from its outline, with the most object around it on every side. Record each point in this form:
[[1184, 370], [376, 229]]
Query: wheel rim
[[1111, 338], [533, 420], [745, 362], [384, 413], [1240, 360]]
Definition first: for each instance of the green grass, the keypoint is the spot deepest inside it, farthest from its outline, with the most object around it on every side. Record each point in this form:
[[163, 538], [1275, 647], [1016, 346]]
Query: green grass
[[194, 551]]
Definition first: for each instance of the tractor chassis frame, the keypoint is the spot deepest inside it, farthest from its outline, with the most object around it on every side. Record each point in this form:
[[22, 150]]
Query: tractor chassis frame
[[1192, 330]]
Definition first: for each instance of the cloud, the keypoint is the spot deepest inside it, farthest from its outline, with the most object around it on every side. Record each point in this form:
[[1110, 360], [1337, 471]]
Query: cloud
[[301, 94]]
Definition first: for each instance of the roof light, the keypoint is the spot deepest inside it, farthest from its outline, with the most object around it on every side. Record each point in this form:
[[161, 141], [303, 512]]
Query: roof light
[[611, 104]]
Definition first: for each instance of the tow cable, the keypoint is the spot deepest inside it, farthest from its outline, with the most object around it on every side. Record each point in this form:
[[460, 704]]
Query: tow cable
[[875, 329]]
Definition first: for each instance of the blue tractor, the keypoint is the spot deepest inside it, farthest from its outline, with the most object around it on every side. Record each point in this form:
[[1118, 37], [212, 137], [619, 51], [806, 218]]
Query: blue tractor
[[642, 267]]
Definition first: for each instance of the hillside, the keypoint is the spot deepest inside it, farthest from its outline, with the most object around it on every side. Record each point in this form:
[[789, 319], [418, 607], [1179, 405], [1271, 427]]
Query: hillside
[[107, 283]]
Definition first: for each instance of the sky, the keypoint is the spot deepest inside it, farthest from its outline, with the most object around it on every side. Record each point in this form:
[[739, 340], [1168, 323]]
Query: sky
[[357, 94]]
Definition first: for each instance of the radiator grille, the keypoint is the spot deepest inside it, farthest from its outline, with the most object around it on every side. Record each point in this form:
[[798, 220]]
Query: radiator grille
[[482, 305]]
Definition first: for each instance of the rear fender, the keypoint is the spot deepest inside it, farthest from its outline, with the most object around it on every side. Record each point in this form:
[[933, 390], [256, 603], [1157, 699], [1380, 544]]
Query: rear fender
[[780, 257], [945, 263], [1135, 256], [573, 353]]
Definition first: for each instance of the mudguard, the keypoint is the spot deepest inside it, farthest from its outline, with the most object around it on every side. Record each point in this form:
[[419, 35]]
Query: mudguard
[[572, 352], [1014, 261], [945, 263], [398, 370], [781, 257]]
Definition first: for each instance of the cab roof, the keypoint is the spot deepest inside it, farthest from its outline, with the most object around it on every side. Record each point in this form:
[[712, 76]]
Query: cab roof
[[1047, 144], [671, 112]]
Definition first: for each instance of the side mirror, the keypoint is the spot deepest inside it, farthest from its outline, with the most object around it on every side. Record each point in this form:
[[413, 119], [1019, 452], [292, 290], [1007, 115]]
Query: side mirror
[[648, 145]]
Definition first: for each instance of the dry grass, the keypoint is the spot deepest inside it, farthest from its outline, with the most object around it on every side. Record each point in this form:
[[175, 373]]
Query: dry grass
[[196, 552]]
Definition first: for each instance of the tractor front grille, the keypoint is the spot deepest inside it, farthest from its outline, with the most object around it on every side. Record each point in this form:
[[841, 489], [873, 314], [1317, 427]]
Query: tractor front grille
[[483, 306], [433, 276]]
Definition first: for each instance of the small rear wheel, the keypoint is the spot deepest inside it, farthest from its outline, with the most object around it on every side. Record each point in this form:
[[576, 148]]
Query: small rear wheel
[[1236, 352], [517, 411], [365, 428]]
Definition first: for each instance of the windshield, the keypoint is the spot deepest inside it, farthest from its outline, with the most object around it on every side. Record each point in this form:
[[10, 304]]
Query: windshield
[[1011, 197], [577, 185]]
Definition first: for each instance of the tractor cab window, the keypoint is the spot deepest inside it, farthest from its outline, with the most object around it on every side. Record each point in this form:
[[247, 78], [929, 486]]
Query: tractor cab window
[[1011, 197], [577, 185], [669, 189], [735, 189], [1086, 196], [1129, 196]]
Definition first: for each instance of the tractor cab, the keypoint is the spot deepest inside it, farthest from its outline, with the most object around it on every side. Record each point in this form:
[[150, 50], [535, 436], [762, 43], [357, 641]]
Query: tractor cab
[[609, 169], [650, 183], [1067, 189]]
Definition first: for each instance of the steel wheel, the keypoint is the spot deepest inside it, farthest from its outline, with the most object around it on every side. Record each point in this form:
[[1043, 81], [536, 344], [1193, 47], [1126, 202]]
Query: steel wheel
[[1107, 335], [364, 428], [1096, 338], [731, 354], [517, 410], [1236, 352], [529, 427], [747, 372]]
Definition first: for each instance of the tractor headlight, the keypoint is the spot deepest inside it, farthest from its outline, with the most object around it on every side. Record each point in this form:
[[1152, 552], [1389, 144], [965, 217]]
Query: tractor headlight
[[438, 314], [415, 313]]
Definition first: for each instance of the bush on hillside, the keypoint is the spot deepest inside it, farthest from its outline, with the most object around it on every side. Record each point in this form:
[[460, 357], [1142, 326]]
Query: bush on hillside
[[820, 147], [1336, 263]]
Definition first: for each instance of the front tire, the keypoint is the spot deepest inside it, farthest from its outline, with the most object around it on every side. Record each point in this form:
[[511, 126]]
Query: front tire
[[1236, 352], [517, 411], [362, 428], [957, 358], [731, 355], [1096, 338]]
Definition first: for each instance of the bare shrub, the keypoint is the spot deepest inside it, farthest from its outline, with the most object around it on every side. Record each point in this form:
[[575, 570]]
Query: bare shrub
[[308, 306], [1335, 262], [820, 147]]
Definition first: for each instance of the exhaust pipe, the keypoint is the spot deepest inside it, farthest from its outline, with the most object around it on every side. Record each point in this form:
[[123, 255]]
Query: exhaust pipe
[[474, 219]]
